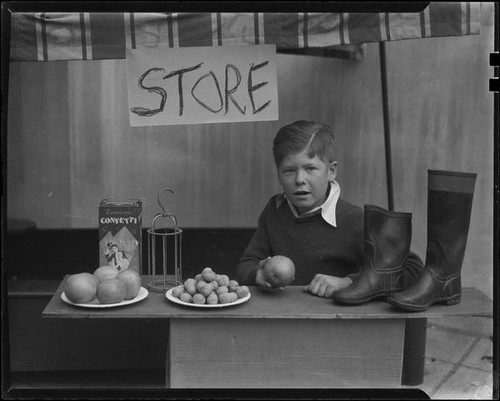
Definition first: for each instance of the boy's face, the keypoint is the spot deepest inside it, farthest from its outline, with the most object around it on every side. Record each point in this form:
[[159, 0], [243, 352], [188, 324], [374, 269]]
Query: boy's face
[[305, 180]]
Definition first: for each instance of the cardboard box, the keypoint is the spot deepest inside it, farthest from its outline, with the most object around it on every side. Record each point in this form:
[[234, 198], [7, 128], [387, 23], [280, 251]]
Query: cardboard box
[[120, 234]]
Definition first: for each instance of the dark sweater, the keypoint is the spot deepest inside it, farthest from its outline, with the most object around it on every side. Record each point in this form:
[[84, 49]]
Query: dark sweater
[[313, 245]]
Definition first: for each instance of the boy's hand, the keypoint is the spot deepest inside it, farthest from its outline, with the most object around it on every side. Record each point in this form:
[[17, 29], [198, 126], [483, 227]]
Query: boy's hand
[[325, 286], [260, 280]]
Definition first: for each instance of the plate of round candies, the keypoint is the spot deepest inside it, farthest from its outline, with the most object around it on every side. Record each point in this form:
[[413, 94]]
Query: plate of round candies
[[209, 290]]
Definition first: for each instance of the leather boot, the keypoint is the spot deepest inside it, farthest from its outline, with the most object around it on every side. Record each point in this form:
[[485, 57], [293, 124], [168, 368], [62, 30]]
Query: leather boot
[[449, 207], [387, 238]]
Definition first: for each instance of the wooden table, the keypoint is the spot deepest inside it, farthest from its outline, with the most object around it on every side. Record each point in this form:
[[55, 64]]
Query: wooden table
[[290, 339]]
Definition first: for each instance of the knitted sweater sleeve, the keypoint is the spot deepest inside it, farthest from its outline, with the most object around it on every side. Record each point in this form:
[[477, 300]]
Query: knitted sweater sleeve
[[258, 248]]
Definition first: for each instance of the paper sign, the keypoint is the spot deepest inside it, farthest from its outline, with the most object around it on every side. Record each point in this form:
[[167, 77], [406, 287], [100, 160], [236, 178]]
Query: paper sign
[[193, 85]]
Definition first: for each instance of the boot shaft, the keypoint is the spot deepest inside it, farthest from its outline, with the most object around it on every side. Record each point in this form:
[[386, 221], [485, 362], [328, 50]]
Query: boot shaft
[[449, 205], [387, 237]]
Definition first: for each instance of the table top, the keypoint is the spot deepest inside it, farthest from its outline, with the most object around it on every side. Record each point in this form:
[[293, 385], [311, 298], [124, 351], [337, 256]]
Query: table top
[[291, 303]]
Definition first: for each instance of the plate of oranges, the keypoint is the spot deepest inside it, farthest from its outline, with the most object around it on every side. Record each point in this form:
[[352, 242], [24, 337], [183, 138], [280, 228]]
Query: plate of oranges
[[105, 288], [143, 293], [209, 290]]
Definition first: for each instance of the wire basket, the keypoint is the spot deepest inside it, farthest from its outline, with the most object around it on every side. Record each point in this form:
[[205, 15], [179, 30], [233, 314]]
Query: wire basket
[[164, 251]]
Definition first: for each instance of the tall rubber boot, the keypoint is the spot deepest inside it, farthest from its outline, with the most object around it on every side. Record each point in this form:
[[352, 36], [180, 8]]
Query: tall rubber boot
[[449, 207], [387, 238]]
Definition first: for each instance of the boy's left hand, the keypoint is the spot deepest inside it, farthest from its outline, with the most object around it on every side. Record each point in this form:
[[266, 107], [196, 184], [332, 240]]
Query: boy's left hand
[[261, 281], [325, 286]]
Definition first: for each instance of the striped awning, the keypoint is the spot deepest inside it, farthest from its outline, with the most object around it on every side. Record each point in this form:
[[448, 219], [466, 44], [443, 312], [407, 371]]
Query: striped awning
[[97, 36]]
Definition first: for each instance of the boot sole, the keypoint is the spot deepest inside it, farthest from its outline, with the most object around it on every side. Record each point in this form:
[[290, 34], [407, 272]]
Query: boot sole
[[421, 308], [362, 301]]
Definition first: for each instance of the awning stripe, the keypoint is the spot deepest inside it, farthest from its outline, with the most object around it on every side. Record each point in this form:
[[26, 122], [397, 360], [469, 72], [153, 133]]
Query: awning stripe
[[88, 41], [132, 31], [445, 19], [422, 25], [387, 27], [83, 36], [306, 28], [341, 29], [170, 30], [467, 18], [107, 35], [39, 41], [288, 30], [194, 30], [270, 28], [256, 28], [44, 37], [364, 28], [219, 30], [215, 30], [69, 36], [26, 30], [261, 28]]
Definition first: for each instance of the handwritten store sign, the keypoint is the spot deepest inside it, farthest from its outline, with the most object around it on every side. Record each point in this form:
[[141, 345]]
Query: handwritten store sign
[[190, 85]]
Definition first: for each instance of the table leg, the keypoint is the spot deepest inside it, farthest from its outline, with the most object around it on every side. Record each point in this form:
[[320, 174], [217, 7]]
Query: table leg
[[414, 351]]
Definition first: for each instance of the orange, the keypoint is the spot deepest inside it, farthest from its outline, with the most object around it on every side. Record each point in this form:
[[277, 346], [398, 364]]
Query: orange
[[111, 291], [106, 272], [80, 288], [132, 281], [279, 271], [88, 275]]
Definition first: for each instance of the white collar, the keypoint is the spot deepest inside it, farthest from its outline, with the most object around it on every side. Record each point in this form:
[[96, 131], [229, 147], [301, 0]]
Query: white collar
[[328, 208]]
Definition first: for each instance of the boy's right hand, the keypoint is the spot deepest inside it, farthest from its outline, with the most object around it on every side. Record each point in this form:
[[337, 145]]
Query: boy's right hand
[[261, 281], [326, 286]]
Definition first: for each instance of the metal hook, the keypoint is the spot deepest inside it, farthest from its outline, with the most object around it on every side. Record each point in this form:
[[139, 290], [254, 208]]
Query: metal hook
[[163, 215], [158, 199]]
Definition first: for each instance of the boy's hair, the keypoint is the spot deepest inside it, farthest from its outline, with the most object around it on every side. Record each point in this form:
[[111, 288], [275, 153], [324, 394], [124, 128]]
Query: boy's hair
[[317, 138]]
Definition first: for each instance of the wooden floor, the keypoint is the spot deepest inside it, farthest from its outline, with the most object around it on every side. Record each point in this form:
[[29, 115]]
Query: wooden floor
[[458, 365]]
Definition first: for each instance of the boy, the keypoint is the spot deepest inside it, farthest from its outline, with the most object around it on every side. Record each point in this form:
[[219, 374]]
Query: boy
[[309, 223]]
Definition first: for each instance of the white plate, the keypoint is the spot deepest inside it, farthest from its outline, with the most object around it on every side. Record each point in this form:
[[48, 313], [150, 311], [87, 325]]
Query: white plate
[[178, 301], [143, 293]]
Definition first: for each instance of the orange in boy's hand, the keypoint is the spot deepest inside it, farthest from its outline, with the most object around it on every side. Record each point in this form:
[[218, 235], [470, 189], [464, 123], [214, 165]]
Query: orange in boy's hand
[[279, 271]]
